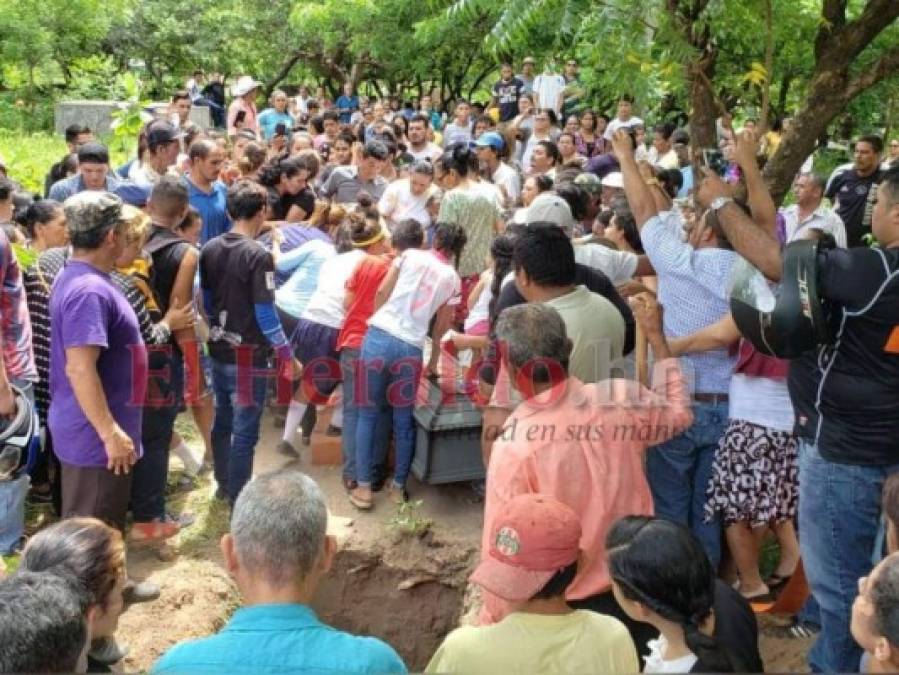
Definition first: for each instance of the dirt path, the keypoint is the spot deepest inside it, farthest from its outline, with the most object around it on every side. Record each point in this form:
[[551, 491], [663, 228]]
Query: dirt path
[[382, 583]]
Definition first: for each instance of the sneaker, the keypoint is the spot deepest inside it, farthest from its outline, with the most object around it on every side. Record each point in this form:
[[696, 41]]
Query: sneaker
[[139, 591], [153, 532], [221, 494], [107, 651], [796, 630], [183, 519], [306, 440], [191, 463], [286, 448], [333, 431]]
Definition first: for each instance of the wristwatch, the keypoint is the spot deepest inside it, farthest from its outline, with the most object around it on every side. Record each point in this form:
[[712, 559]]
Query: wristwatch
[[718, 202]]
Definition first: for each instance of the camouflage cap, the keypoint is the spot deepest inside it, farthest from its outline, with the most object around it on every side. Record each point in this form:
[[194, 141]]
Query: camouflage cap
[[590, 182], [89, 210]]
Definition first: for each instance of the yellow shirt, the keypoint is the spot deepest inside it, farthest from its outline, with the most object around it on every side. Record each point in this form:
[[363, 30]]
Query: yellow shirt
[[579, 642]]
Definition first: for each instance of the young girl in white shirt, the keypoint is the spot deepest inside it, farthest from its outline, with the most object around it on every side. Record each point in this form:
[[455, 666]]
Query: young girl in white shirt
[[661, 576]]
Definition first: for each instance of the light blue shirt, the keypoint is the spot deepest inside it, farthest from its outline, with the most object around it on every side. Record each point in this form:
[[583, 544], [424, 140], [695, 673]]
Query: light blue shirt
[[65, 188], [693, 289], [304, 265], [280, 639], [270, 118]]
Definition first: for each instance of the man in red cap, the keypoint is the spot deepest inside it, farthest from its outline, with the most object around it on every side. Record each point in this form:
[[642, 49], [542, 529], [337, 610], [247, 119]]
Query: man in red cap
[[531, 560]]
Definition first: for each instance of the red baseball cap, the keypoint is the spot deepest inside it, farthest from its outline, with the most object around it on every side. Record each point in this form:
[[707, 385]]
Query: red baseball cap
[[532, 538]]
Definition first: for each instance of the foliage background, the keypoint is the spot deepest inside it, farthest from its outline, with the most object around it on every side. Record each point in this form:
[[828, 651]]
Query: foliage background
[[56, 49]]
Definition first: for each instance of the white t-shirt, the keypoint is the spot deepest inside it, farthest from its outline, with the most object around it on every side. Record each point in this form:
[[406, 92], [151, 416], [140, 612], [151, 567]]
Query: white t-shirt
[[507, 178], [398, 203], [616, 124], [619, 266], [656, 664], [547, 89], [326, 305], [430, 153], [529, 146], [761, 400], [481, 309], [424, 285]]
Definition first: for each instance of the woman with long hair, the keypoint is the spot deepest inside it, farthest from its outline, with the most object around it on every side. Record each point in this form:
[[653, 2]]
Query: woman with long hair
[[291, 199], [589, 137], [468, 204], [317, 326], [661, 576], [93, 553]]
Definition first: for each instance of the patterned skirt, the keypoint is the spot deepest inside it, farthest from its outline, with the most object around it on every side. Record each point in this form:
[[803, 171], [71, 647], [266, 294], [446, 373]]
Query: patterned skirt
[[755, 476]]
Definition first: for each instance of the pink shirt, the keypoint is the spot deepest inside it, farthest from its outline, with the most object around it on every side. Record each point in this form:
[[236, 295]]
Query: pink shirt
[[584, 445], [249, 120]]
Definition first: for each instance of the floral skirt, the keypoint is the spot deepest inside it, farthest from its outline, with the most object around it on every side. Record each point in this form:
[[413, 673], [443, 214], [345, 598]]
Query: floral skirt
[[755, 476]]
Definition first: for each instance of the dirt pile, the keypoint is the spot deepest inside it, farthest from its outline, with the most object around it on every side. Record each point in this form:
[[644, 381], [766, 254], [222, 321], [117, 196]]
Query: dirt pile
[[197, 599], [409, 592]]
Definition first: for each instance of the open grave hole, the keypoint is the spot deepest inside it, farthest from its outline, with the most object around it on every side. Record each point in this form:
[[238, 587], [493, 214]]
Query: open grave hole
[[409, 592]]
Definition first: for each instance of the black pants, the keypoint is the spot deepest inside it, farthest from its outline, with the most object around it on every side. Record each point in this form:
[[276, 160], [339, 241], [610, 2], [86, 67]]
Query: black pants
[[604, 603], [151, 472]]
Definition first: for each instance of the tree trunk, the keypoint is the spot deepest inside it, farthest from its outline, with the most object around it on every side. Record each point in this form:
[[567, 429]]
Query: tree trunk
[[283, 72], [769, 65], [785, 83], [821, 106], [704, 107], [832, 86]]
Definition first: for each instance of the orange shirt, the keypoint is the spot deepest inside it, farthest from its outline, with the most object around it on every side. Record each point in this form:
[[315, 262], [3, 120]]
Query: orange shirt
[[584, 445]]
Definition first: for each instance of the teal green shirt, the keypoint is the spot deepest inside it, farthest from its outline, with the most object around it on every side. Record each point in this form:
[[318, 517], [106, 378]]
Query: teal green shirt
[[280, 639]]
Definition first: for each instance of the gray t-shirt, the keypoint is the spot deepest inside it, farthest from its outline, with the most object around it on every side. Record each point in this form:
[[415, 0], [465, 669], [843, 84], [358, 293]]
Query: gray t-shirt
[[344, 184], [455, 134]]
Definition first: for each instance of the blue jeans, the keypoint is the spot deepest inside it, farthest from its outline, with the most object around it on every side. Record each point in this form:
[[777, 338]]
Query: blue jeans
[[235, 431], [349, 364], [12, 496], [839, 516], [679, 470], [392, 369]]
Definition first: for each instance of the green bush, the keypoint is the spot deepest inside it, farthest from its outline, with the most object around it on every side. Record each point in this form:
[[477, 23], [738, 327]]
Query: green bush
[[30, 156]]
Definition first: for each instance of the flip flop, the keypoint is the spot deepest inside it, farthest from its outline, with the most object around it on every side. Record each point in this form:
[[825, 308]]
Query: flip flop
[[775, 582], [359, 503]]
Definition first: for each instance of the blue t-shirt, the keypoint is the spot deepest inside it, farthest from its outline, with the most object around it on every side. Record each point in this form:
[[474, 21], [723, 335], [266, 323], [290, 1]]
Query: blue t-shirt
[[211, 206], [271, 118], [86, 310], [350, 103], [283, 638]]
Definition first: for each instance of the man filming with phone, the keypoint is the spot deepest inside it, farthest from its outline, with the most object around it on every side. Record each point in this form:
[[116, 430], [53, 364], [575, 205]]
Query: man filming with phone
[[692, 286]]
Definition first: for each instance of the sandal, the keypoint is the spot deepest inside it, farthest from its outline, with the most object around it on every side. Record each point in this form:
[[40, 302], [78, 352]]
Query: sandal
[[776, 582], [360, 502]]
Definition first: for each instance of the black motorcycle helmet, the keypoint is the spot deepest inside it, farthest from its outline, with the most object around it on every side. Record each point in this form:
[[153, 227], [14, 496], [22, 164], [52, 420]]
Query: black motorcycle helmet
[[787, 319]]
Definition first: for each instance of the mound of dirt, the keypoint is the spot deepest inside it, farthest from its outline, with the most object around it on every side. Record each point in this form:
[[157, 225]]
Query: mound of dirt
[[197, 599]]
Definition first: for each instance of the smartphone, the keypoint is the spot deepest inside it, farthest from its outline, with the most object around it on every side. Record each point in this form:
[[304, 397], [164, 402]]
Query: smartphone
[[714, 159], [280, 129]]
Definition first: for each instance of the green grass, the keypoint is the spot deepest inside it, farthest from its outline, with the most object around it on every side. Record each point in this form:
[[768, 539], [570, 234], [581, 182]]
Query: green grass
[[30, 156]]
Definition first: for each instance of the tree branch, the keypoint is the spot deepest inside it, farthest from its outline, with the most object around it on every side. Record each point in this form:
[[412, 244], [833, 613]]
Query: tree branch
[[856, 35], [885, 66]]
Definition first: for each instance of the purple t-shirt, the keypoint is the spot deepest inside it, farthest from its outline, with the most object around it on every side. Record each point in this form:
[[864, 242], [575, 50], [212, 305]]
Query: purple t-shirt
[[87, 310]]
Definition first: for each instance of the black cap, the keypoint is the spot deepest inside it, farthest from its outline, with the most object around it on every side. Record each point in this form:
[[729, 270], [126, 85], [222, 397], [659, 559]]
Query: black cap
[[161, 132], [93, 153]]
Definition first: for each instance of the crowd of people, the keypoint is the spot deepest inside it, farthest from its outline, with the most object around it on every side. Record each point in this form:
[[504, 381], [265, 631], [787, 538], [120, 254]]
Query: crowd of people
[[521, 252]]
